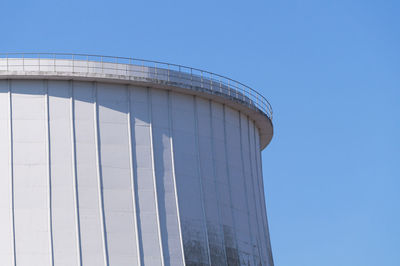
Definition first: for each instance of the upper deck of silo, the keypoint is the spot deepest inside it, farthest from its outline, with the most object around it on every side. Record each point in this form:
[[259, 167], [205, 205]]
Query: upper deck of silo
[[145, 73]]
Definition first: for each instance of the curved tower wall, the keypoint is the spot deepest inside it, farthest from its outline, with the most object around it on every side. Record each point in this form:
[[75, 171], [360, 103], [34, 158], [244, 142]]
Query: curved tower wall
[[99, 173]]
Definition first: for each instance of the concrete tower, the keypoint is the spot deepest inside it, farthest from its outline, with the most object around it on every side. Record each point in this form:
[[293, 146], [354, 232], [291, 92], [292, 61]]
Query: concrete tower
[[118, 161]]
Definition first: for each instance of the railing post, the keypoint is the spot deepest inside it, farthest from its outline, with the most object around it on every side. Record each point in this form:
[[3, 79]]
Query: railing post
[[102, 67], [87, 64], [143, 70], [257, 101], [191, 77], [201, 79], [73, 63], [39, 61], [237, 93], [211, 83], [168, 72], [23, 62], [7, 61], [128, 65]]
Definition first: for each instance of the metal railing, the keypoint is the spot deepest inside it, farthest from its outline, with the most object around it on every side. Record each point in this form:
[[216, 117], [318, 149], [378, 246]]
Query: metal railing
[[140, 70]]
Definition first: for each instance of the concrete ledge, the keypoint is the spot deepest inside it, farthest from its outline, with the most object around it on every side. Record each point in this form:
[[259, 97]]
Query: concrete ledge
[[140, 76]]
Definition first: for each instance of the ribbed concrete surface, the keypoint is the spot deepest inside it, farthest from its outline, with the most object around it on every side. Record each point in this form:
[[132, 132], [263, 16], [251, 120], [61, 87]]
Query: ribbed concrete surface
[[111, 174]]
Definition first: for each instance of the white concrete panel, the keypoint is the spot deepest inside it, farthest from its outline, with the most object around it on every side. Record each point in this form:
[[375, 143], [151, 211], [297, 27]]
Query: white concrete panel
[[234, 254], [239, 200], [210, 186], [91, 230], [222, 176], [6, 204], [187, 170], [64, 220], [261, 236], [165, 178], [148, 218], [263, 204], [32, 235], [254, 233]]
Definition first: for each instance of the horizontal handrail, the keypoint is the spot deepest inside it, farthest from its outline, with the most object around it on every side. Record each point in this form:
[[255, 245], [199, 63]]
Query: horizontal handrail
[[147, 70]]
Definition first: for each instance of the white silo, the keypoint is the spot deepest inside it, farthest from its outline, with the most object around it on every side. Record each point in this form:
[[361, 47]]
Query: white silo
[[118, 161]]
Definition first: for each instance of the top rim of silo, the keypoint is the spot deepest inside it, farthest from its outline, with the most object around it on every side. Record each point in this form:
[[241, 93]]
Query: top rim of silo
[[149, 73]]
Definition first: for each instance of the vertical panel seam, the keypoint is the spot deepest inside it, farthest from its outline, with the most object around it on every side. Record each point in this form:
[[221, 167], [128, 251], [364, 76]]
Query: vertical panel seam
[[216, 183], [245, 186], [196, 133], [254, 194], [48, 170], [11, 173], [74, 174], [99, 175], [154, 174], [133, 183], [170, 125], [229, 181]]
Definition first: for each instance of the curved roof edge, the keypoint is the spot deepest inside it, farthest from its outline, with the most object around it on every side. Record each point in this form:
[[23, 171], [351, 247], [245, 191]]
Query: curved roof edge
[[206, 85]]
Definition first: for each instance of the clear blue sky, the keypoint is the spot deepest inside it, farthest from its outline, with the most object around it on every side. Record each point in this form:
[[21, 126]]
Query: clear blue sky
[[331, 70]]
